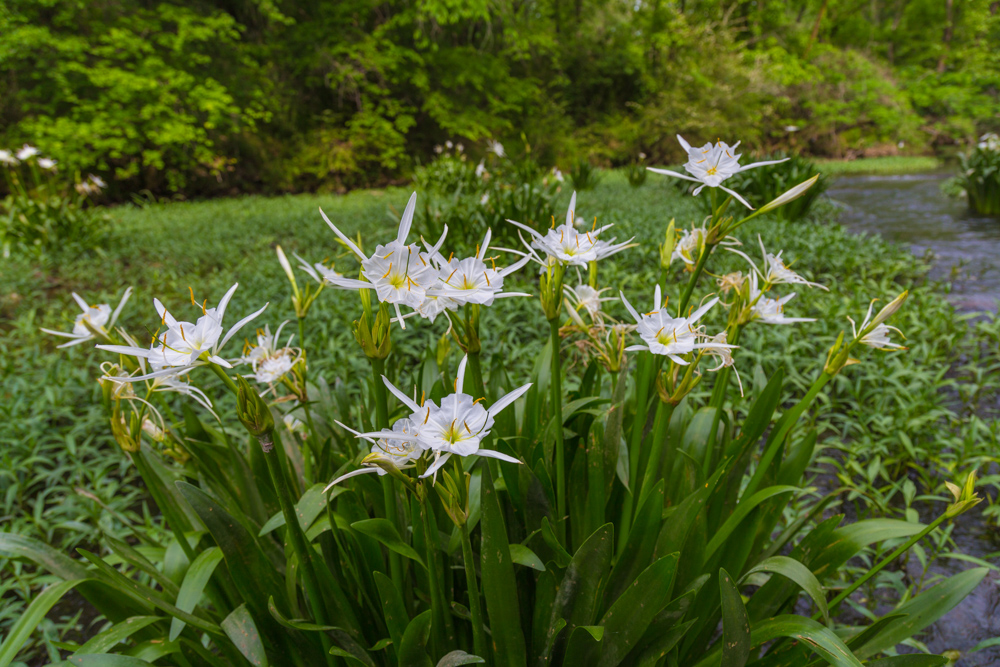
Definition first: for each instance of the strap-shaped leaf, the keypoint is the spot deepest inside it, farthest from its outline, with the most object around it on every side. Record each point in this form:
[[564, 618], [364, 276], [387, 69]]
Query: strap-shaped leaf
[[499, 584], [797, 572], [30, 619], [924, 609], [193, 585], [412, 651], [817, 637], [639, 548], [240, 628], [735, 623], [584, 645], [117, 633], [740, 513], [105, 660], [312, 502], [458, 658], [393, 609], [522, 555], [386, 533]]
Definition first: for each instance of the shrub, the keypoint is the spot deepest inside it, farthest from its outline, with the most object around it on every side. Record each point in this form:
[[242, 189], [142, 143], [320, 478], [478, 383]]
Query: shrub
[[979, 175], [584, 176], [43, 213], [610, 513], [636, 172]]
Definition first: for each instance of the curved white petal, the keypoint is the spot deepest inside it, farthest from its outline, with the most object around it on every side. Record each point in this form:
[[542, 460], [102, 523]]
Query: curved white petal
[[221, 309], [353, 473], [737, 197], [667, 172], [403, 398], [348, 242], [494, 454], [507, 399], [407, 220], [239, 325]]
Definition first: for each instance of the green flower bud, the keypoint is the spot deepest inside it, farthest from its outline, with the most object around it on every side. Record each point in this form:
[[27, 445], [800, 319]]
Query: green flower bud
[[254, 413]]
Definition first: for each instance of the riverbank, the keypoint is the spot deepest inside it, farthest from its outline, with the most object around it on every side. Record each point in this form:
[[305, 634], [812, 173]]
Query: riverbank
[[898, 164]]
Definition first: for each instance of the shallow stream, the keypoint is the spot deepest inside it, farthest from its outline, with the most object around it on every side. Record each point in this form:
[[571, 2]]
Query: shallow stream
[[911, 210]]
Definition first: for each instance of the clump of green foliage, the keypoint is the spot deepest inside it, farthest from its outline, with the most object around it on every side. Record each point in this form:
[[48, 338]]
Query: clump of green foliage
[[154, 238], [979, 175], [636, 172], [44, 212], [584, 176]]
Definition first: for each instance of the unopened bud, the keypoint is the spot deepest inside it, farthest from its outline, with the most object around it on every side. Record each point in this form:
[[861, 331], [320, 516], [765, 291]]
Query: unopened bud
[[122, 434], [254, 414], [667, 247]]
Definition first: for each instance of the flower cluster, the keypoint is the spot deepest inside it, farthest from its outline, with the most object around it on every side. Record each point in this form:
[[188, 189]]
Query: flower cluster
[[456, 427]]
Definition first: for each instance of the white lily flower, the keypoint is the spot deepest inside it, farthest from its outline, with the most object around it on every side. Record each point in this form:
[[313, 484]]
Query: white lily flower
[[586, 297], [775, 272], [97, 182], [558, 175], [711, 164], [156, 433], [27, 151], [100, 318], [270, 362], [989, 141], [294, 425], [878, 337], [7, 158], [185, 345], [724, 352], [671, 336], [47, 163], [472, 280], [496, 148], [397, 272], [771, 311], [397, 447], [566, 245]]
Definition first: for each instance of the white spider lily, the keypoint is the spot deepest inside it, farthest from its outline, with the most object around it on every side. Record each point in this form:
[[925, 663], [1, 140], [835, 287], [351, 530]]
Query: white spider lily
[[878, 337], [27, 152], [771, 311], [775, 271], [496, 148], [47, 163], [670, 336], [7, 158], [568, 246], [723, 351], [185, 345], [711, 164], [397, 447], [586, 297], [97, 318], [471, 280], [397, 272], [270, 362], [294, 425]]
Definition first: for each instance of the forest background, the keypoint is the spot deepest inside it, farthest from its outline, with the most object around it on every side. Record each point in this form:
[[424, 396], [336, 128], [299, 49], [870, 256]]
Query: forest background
[[222, 97]]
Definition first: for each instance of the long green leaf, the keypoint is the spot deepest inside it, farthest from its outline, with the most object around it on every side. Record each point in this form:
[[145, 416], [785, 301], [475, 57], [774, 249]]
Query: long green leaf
[[735, 623], [117, 633], [924, 609], [412, 648], [817, 637], [393, 609], [797, 572], [30, 619], [499, 583], [386, 533], [741, 512], [193, 585], [458, 658], [240, 628], [914, 660], [106, 660]]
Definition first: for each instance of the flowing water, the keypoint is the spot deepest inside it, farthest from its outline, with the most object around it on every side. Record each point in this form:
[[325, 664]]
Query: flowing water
[[912, 211]]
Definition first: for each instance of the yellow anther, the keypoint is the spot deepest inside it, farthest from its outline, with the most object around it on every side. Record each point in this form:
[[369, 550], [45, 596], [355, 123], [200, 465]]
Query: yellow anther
[[389, 271]]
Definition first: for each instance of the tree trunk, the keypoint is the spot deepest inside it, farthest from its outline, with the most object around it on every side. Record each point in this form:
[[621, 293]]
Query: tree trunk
[[948, 27], [815, 31]]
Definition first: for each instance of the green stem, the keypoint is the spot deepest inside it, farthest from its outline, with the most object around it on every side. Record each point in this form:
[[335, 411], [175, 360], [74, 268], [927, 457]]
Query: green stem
[[689, 288], [556, 386], [645, 363], [664, 411], [477, 386], [389, 490], [300, 546], [217, 369], [442, 630], [475, 608]]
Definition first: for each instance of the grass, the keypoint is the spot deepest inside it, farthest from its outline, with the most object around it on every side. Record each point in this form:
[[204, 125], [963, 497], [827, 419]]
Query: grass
[[62, 479], [886, 166]]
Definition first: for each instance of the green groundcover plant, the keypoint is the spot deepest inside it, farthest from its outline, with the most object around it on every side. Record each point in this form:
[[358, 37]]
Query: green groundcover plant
[[979, 175], [613, 515]]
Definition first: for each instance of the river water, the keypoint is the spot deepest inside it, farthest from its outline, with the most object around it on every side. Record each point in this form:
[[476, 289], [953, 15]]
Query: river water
[[912, 211]]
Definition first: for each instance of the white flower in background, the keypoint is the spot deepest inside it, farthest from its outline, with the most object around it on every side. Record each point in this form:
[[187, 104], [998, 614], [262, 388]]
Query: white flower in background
[[989, 141], [47, 163], [97, 182], [711, 164], [439, 149], [496, 148], [730, 281], [472, 280], [459, 148], [294, 425], [185, 345], [485, 199], [586, 297], [269, 361], [7, 158], [568, 246], [775, 271], [771, 311], [397, 448], [689, 245], [398, 272], [100, 318], [878, 337], [27, 152], [671, 336], [480, 169], [558, 175], [723, 351], [448, 144]]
